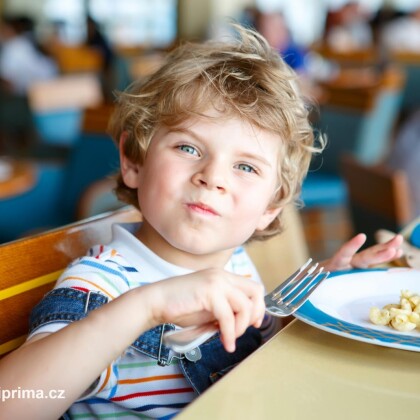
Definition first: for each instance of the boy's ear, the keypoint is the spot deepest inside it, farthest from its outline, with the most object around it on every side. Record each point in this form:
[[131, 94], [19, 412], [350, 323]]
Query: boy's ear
[[129, 169], [269, 215]]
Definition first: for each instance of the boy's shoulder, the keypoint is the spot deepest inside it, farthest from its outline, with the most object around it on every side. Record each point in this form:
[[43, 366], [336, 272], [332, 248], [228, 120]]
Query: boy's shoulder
[[103, 269]]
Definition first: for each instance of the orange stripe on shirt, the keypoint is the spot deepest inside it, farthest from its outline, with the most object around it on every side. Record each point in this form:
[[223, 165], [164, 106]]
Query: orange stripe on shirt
[[108, 375], [87, 281], [150, 379]]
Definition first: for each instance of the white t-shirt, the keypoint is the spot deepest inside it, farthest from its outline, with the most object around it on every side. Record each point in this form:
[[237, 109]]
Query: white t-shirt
[[135, 381]]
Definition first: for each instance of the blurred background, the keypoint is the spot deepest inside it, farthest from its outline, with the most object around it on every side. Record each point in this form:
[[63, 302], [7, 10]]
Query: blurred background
[[61, 62]]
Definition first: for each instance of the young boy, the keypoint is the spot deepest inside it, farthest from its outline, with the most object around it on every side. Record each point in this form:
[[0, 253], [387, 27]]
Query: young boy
[[212, 147]]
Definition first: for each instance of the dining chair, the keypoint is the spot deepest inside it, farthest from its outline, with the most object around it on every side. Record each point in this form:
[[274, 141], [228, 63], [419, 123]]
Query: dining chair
[[379, 197], [30, 266], [410, 63], [57, 106], [53, 199], [348, 58], [358, 115]]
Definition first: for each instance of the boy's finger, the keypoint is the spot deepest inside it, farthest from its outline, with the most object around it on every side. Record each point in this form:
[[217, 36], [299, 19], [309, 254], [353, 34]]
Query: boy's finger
[[243, 309], [375, 256], [226, 319], [352, 246]]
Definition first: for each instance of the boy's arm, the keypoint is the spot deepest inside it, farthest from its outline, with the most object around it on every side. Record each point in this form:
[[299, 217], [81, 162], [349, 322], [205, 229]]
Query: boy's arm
[[72, 358]]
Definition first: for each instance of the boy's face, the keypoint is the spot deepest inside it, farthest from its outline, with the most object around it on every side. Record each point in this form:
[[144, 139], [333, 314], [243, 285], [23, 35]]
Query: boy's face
[[205, 187]]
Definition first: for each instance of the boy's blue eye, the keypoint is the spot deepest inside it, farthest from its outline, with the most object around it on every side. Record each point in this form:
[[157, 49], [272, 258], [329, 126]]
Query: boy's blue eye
[[246, 168], [188, 149]]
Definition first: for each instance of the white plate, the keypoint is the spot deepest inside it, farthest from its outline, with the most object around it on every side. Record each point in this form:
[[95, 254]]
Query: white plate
[[342, 302]]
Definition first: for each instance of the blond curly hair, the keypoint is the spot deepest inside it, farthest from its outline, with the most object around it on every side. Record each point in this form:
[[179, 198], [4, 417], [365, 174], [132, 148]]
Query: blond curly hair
[[248, 79]]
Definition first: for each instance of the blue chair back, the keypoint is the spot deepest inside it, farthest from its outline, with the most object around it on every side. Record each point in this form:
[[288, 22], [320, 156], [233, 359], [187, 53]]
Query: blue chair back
[[93, 157], [37, 209], [358, 121], [61, 127], [363, 126], [57, 106], [53, 200], [409, 61]]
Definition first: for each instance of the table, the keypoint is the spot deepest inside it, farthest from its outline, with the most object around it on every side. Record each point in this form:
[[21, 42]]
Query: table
[[22, 178], [306, 373]]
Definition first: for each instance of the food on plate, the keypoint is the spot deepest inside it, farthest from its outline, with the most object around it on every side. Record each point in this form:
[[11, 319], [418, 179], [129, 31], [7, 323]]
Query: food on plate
[[402, 316]]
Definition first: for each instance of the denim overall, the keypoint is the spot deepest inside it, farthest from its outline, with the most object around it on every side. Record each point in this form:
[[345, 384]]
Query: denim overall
[[201, 367]]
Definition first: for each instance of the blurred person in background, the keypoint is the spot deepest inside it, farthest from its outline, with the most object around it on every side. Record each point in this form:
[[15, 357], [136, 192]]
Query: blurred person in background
[[272, 26], [348, 28], [96, 39], [402, 33], [22, 60]]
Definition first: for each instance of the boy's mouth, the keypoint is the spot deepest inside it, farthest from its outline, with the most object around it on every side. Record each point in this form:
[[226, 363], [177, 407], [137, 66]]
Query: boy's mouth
[[202, 209]]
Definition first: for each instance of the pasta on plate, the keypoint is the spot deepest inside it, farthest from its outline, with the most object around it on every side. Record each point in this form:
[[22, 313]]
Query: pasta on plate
[[402, 316]]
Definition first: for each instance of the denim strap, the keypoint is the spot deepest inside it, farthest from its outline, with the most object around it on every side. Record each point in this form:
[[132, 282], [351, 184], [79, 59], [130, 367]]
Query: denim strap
[[69, 305]]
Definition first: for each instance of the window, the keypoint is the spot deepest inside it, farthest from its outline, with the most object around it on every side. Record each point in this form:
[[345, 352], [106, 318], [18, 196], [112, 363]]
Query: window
[[124, 22]]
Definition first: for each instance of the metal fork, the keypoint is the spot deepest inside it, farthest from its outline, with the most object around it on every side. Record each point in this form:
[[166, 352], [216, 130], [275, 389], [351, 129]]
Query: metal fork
[[283, 301]]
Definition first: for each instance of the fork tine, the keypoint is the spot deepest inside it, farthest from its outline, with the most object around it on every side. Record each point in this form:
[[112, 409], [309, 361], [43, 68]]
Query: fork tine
[[300, 281], [289, 280], [306, 290]]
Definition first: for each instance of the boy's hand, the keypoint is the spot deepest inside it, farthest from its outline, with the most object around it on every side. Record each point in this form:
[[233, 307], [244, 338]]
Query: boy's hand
[[233, 301], [346, 257]]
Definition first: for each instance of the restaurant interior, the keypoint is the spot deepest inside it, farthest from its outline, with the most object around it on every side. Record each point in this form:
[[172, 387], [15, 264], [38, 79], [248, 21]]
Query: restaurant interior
[[358, 64]]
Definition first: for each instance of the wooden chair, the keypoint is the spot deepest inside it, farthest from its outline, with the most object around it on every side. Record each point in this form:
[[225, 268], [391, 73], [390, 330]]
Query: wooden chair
[[379, 198], [30, 266]]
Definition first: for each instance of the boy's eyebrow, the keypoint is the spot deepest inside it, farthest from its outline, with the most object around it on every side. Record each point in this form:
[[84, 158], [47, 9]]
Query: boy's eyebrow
[[260, 159], [196, 136]]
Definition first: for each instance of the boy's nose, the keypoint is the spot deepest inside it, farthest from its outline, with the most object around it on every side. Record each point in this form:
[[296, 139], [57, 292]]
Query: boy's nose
[[210, 176]]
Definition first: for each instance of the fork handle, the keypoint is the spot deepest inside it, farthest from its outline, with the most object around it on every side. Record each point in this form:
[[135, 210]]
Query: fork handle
[[189, 338]]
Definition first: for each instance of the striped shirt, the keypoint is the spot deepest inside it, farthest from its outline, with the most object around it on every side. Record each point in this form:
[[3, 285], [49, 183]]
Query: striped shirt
[[134, 386]]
